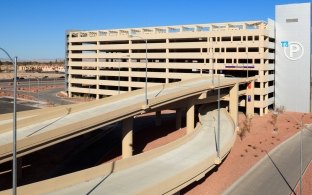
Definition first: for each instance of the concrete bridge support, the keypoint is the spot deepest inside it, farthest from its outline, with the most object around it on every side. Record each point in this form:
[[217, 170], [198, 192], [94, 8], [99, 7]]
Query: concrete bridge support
[[127, 137], [19, 168], [178, 118], [158, 118], [233, 104], [190, 116], [250, 99]]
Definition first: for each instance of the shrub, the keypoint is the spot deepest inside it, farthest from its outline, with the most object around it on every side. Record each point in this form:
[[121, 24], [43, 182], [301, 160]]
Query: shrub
[[246, 126]]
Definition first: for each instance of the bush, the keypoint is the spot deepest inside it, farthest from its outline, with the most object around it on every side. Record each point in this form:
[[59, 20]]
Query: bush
[[277, 111], [245, 127]]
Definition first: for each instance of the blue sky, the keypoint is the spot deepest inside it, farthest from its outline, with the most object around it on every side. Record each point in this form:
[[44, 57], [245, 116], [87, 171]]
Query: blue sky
[[35, 29]]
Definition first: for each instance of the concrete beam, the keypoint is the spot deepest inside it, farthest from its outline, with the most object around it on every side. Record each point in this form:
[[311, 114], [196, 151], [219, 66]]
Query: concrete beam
[[178, 118], [233, 104], [127, 137]]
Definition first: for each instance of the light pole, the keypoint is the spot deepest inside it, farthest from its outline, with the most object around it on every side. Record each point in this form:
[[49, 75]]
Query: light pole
[[301, 158], [14, 175], [213, 50], [301, 129], [119, 71], [38, 91], [131, 36], [218, 151], [247, 62]]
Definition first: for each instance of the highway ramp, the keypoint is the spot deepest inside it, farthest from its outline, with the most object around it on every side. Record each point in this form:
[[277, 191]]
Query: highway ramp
[[164, 170], [36, 131]]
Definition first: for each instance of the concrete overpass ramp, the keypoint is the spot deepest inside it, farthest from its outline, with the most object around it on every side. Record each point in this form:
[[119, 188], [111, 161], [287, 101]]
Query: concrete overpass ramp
[[37, 130], [164, 170]]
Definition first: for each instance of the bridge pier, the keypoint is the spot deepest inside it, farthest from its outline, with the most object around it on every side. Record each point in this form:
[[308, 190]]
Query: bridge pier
[[158, 118], [178, 118], [250, 99], [190, 118], [19, 169], [127, 137], [233, 104]]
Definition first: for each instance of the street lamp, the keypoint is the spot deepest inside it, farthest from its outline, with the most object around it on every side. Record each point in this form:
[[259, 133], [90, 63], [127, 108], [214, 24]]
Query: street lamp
[[301, 158], [131, 36], [119, 71], [14, 175], [247, 61], [301, 129], [218, 133], [213, 50], [218, 151]]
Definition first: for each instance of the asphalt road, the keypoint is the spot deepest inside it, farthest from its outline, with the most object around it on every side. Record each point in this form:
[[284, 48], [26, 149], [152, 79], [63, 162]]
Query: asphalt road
[[6, 106], [279, 171]]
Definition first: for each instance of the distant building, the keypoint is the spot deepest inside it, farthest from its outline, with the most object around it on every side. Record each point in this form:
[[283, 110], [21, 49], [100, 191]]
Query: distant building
[[34, 68], [102, 63], [42, 68], [174, 53]]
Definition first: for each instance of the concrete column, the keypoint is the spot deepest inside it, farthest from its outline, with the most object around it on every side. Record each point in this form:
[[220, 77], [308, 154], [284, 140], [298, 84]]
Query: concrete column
[[190, 118], [233, 104], [261, 112], [97, 86], [178, 118], [158, 118], [266, 110], [167, 73], [250, 99], [19, 167], [127, 137]]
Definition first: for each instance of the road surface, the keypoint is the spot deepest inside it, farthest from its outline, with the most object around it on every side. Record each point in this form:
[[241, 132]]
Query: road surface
[[279, 171]]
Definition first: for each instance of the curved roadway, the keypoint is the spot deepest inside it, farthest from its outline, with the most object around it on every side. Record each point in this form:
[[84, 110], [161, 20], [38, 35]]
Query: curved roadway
[[167, 171], [164, 170], [37, 130]]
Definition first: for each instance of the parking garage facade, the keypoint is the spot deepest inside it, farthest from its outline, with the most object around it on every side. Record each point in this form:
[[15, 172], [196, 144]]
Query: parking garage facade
[[103, 63]]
